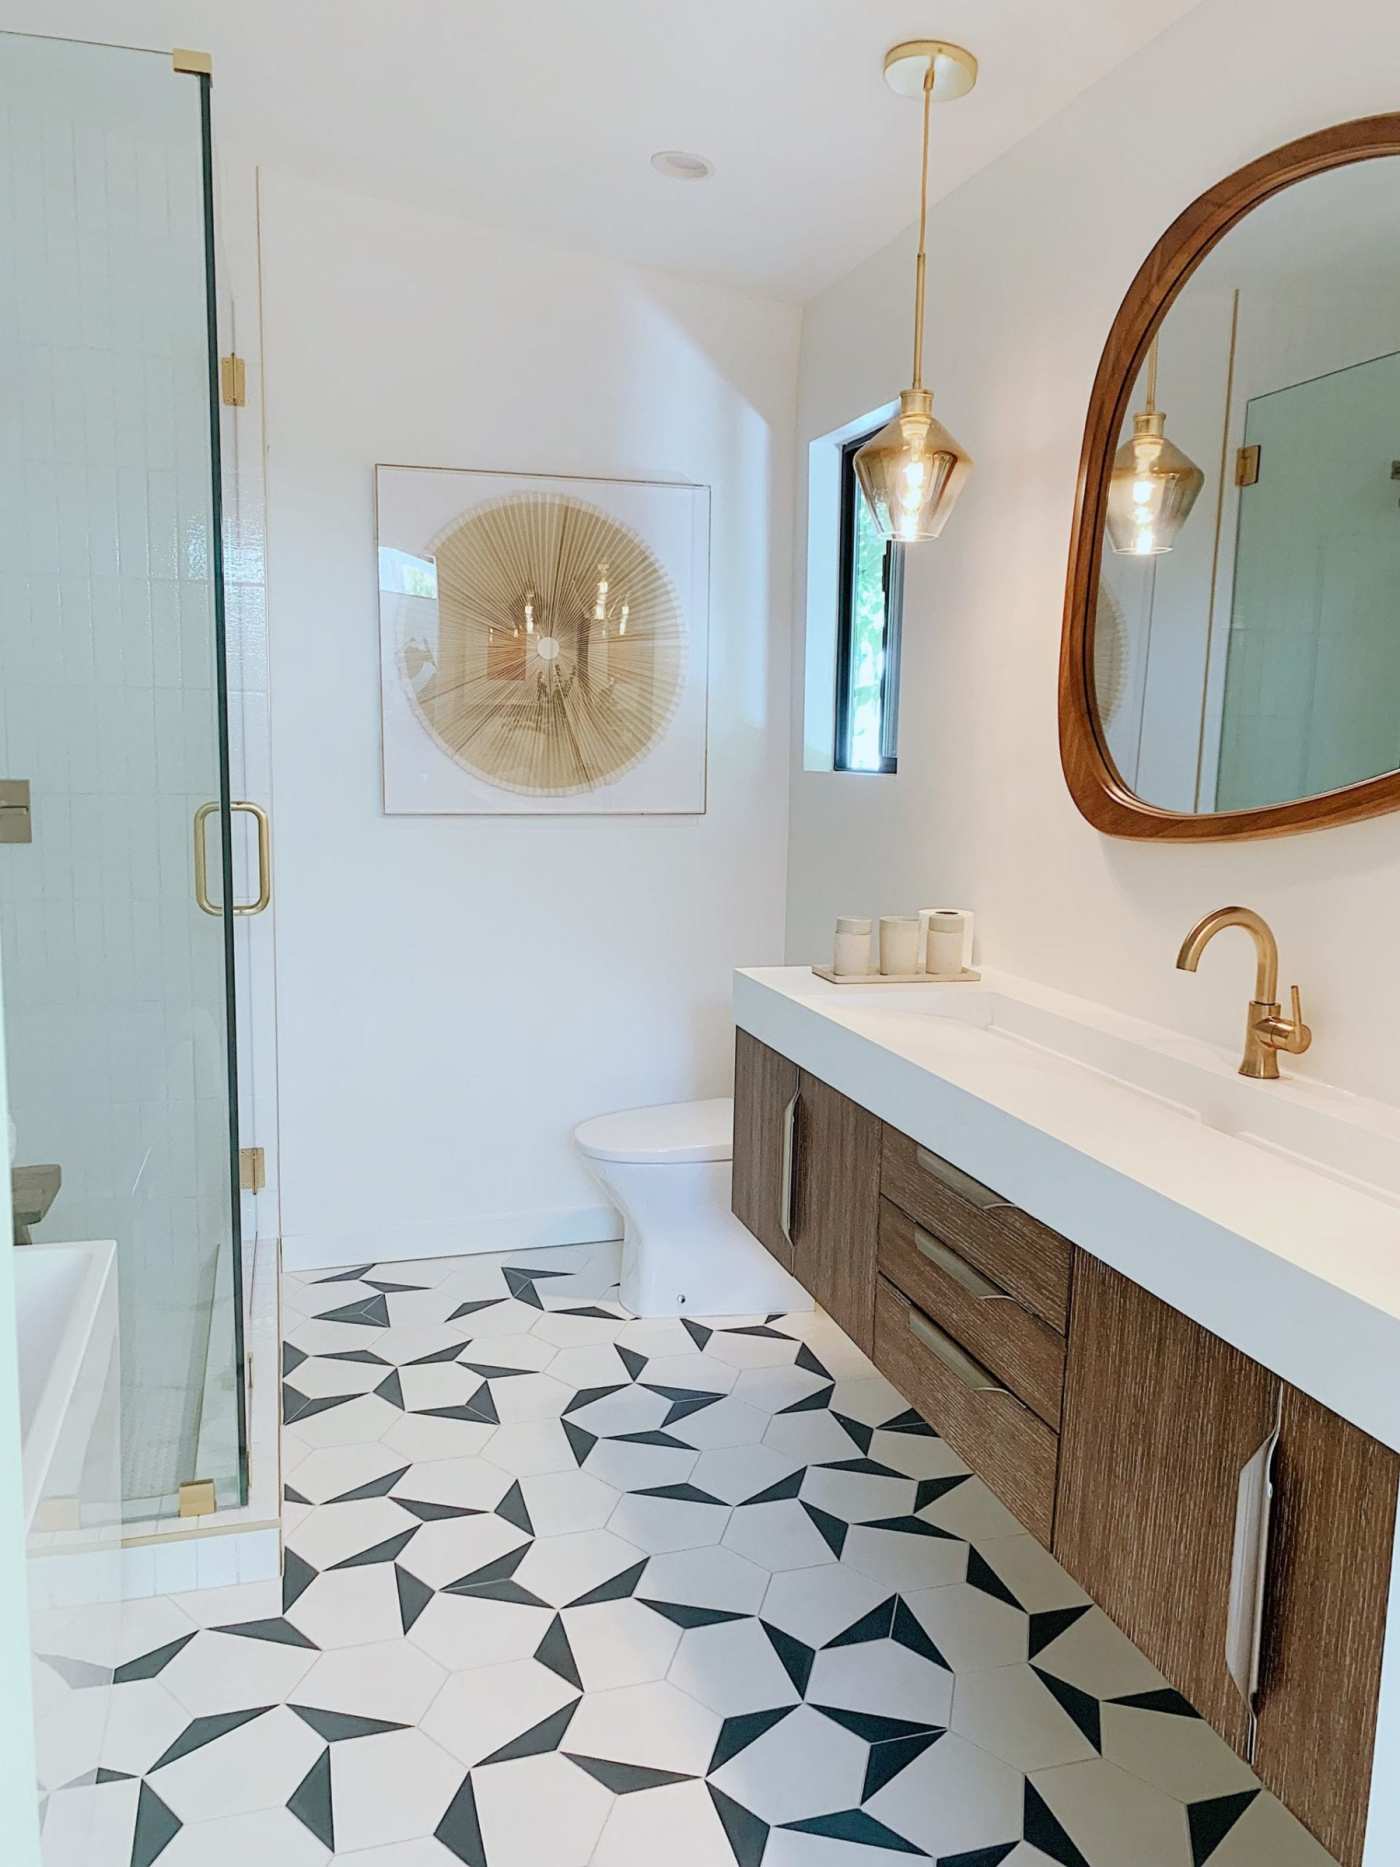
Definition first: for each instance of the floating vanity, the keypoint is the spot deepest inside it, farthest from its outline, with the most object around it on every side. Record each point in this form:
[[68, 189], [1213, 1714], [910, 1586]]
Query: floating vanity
[[1130, 1287]]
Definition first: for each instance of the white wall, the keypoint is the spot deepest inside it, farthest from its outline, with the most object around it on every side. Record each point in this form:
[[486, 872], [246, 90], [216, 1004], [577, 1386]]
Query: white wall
[[455, 993], [1033, 258]]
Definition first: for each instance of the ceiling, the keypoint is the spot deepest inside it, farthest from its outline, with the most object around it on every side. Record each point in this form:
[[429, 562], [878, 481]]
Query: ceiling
[[541, 115]]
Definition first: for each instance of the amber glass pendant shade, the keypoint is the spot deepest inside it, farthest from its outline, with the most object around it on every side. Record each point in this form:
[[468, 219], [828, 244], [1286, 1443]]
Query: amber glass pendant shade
[[1151, 490], [912, 471]]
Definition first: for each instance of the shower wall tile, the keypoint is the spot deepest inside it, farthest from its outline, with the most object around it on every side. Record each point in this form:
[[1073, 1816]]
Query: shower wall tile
[[115, 982]]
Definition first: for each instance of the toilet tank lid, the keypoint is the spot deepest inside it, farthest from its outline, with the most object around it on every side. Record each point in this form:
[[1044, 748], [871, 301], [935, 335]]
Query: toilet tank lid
[[673, 1131]]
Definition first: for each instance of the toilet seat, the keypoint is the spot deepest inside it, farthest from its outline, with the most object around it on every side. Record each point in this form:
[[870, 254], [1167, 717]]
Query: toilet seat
[[674, 1132]]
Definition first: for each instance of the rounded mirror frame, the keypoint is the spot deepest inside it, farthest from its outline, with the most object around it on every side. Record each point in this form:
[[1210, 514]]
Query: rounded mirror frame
[[1093, 779]]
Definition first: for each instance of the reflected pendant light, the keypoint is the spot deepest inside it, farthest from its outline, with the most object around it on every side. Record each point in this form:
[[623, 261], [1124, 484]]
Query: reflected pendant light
[[913, 470], [1153, 485]]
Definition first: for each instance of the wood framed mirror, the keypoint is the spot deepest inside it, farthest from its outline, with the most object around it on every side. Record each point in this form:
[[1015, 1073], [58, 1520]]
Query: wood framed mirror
[[1230, 659]]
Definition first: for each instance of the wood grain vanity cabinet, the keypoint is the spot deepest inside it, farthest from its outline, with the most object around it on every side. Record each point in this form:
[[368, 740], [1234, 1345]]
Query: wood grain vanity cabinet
[[1114, 1427], [807, 1181], [1160, 1417], [765, 1093]]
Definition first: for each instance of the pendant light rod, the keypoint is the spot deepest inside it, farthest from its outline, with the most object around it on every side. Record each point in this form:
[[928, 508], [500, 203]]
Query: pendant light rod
[[921, 259], [912, 470], [1152, 376]]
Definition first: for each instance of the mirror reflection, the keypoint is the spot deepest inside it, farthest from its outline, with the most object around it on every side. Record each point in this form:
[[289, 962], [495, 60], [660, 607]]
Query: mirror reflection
[[1246, 642]]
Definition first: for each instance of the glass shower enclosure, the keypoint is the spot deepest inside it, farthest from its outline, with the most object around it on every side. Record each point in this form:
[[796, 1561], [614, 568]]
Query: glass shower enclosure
[[117, 932]]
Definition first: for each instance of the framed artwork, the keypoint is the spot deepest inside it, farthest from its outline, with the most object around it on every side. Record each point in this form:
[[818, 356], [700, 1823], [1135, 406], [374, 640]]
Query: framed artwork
[[544, 643]]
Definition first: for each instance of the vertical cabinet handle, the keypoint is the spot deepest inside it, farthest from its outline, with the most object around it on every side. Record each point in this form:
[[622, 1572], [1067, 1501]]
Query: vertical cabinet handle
[[789, 1168], [201, 860], [1249, 1569]]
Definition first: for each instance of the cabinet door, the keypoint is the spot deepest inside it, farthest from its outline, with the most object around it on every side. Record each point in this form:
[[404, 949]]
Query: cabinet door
[[764, 1087], [837, 1206], [1324, 1620], [1159, 1418]]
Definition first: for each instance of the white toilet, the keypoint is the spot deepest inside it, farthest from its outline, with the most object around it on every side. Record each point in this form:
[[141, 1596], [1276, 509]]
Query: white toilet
[[667, 1170]]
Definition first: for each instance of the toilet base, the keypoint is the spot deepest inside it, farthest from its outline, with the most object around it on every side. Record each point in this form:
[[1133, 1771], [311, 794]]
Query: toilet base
[[684, 1252]]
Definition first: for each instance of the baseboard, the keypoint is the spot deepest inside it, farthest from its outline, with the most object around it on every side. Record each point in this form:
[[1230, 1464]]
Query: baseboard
[[497, 1231]]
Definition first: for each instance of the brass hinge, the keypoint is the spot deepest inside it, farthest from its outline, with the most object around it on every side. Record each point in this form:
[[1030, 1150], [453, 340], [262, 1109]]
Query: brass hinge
[[197, 1498], [233, 381], [1247, 466], [252, 1169], [200, 63]]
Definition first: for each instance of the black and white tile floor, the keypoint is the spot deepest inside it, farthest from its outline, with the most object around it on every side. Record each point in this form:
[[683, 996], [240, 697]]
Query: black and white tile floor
[[567, 1588]]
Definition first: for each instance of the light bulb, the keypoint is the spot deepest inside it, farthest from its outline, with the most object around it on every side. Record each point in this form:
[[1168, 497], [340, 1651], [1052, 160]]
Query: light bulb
[[600, 607], [622, 620], [529, 612]]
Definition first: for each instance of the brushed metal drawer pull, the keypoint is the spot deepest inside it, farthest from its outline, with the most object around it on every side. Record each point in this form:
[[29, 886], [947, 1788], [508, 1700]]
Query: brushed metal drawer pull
[[1249, 1570], [958, 1269], [789, 1169], [972, 1374], [962, 1183]]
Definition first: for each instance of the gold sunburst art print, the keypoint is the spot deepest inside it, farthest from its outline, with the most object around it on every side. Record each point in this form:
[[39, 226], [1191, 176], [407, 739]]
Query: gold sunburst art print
[[559, 652]]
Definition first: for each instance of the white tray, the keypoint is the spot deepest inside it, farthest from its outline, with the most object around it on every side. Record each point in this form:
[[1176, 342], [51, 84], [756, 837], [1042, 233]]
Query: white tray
[[965, 976]]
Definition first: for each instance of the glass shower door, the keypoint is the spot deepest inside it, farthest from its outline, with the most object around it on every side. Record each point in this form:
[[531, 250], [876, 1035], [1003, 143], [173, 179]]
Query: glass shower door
[[119, 1001]]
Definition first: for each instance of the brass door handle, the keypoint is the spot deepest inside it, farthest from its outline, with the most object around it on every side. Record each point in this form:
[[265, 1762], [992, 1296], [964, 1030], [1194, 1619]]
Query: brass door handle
[[201, 865]]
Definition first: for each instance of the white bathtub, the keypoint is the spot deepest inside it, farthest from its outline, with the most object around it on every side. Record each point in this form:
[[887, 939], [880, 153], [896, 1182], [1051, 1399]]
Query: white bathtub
[[70, 1427], [65, 1301]]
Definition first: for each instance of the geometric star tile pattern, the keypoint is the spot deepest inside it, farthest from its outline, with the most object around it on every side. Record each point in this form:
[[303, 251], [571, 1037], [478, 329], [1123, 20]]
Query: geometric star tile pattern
[[562, 1585]]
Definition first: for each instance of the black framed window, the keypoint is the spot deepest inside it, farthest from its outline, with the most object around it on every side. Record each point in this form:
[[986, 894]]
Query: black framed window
[[867, 637]]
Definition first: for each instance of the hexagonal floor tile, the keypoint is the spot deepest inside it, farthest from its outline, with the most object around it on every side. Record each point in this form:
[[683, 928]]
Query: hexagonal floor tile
[[681, 1517], [732, 1667], [214, 1771], [803, 1764], [559, 1502], [952, 1799], [461, 1631], [219, 1672], [617, 1643], [655, 1726], [493, 1708], [267, 1835], [705, 1578], [738, 1474], [390, 1679], [816, 1605], [540, 1809], [348, 1607], [1114, 1818], [780, 1536], [564, 1570], [393, 1787]]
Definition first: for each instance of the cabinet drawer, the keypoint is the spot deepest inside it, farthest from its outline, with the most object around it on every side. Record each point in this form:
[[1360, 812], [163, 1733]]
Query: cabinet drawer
[[990, 1324], [1009, 1448], [1027, 1259]]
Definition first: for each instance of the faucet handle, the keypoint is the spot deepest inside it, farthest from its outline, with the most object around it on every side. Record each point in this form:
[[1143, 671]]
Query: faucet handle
[[1290, 1034], [1300, 1034]]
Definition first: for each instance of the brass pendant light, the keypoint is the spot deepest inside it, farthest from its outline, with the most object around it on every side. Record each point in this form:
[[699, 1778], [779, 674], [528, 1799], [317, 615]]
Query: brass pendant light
[[913, 470], [1153, 485]]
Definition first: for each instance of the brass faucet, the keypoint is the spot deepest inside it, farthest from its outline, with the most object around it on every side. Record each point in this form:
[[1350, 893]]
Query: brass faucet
[[1265, 1032]]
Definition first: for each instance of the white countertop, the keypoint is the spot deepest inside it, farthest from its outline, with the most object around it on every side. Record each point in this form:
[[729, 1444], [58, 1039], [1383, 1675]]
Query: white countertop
[[1298, 1267]]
